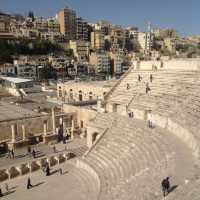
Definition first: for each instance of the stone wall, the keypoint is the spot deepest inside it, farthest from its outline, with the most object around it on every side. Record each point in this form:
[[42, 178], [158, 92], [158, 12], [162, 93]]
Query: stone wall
[[33, 125], [83, 114], [176, 64]]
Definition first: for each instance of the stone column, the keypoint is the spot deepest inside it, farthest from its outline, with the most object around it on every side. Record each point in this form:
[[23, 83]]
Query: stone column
[[64, 128], [72, 130], [99, 103], [13, 129], [23, 132], [45, 128], [61, 121], [53, 121]]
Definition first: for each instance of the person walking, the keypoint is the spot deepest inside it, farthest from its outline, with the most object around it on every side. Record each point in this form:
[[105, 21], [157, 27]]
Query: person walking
[[48, 170], [1, 194], [165, 186], [54, 148], [9, 154], [60, 170], [29, 150], [151, 78], [29, 185], [139, 78], [33, 153], [12, 153]]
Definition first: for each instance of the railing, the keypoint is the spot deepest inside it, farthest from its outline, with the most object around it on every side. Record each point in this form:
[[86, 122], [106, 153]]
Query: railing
[[95, 143]]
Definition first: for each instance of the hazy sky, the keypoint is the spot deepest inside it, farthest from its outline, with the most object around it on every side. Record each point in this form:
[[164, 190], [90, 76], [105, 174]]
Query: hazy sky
[[184, 15]]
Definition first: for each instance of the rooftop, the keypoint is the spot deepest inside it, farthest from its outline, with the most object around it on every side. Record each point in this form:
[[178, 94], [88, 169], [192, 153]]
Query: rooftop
[[10, 112], [104, 84], [15, 80]]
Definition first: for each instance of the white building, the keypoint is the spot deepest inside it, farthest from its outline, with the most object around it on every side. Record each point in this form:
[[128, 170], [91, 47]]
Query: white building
[[145, 40]]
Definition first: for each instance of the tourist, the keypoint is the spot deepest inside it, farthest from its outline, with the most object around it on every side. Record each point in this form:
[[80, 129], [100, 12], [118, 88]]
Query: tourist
[[60, 170], [127, 86], [150, 125], [54, 148], [47, 170], [1, 194], [33, 153], [29, 185], [151, 78], [29, 150], [139, 78], [9, 154], [12, 153], [147, 88], [165, 186]]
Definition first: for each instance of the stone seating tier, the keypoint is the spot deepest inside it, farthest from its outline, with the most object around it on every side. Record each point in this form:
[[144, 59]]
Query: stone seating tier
[[128, 150]]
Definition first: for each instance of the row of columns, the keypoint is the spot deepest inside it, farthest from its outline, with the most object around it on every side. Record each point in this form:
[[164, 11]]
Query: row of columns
[[45, 128], [14, 132]]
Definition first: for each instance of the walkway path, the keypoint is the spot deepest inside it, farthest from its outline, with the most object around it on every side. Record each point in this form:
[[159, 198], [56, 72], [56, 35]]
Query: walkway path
[[77, 146]]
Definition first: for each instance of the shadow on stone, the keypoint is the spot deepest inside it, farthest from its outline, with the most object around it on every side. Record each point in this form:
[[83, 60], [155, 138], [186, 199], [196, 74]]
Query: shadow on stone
[[14, 187], [66, 172], [173, 188], [38, 184], [53, 172], [9, 192]]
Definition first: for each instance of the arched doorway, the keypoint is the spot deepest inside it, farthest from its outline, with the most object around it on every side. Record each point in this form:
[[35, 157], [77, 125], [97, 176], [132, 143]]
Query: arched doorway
[[71, 94], [80, 96], [90, 96]]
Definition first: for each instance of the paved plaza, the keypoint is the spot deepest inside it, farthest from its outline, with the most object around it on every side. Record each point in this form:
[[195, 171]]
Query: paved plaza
[[77, 146]]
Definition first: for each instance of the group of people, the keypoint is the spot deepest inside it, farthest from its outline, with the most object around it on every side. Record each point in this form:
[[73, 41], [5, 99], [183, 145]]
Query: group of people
[[139, 80]]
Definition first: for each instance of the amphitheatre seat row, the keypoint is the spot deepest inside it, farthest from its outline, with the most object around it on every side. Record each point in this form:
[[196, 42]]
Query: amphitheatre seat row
[[128, 152], [173, 94]]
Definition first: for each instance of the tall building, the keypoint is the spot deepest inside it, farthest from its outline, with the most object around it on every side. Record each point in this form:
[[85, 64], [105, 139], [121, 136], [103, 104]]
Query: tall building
[[82, 29], [97, 40], [145, 40], [67, 21], [4, 23]]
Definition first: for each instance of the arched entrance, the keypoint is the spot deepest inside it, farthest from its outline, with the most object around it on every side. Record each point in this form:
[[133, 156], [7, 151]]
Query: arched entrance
[[90, 96], [80, 96], [71, 94]]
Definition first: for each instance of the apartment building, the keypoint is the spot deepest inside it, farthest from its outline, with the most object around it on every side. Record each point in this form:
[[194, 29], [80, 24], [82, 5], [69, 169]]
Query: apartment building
[[67, 21], [4, 23], [116, 62], [145, 40], [80, 49], [97, 40], [82, 29]]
